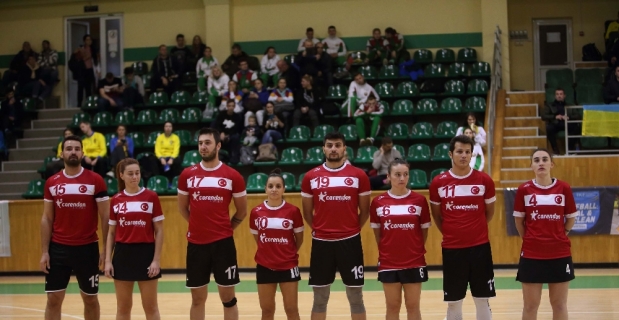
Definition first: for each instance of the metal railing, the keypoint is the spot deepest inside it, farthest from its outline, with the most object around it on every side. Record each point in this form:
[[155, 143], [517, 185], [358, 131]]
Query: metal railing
[[495, 85], [568, 136]]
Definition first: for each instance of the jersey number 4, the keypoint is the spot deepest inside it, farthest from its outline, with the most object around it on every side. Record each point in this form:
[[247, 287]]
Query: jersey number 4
[[533, 200]]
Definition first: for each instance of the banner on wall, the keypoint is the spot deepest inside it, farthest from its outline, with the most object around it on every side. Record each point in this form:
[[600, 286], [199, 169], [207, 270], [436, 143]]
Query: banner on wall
[[5, 231], [597, 211]]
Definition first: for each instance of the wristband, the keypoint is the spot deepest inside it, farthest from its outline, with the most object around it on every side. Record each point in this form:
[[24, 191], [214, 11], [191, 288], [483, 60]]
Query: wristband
[[234, 219], [567, 231]]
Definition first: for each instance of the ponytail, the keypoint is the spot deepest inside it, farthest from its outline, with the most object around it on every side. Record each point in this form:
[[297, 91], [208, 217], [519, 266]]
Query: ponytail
[[120, 168]]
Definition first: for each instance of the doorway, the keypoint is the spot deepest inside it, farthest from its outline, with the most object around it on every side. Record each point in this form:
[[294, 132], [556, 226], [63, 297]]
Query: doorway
[[107, 37], [552, 43]]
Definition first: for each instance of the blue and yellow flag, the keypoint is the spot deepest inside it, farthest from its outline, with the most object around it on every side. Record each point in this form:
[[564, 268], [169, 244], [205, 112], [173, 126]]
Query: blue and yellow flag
[[601, 121]]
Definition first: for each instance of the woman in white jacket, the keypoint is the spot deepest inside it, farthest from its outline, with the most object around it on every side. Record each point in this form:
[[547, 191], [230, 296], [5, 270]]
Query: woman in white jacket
[[477, 159], [268, 66], [480, 133], [204, 67]]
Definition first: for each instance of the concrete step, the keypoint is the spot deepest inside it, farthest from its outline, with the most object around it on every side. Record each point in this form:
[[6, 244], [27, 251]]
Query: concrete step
[[511, 183], [43, 133], [8, 166], [520, 131], [516, 162], [521, 110], [523, 122], [10, 196], [516, 174], [29, 154], [50, 123], [517, 151], [13, 187], [525, 141], [19, 176], [37, 142], [46, 114]]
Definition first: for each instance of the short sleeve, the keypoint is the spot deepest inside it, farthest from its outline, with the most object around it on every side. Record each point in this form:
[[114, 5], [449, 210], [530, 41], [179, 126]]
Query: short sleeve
[[306, 186], [47, 194], [570, 204], [364, 184], [100, 189], [374, 220], [519, 209], [157, 212], [490, 194], [426, 221], [252, 222], [112, 219], [434, 197], [182, 183], [297, 221], [238, 185]]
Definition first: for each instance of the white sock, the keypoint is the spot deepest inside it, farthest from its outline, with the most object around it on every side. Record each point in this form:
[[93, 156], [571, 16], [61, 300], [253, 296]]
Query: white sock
[[483, 309], [454, 310]]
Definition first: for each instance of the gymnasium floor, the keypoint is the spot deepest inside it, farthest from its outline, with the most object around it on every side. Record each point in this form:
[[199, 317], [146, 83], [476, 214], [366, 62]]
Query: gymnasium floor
[[593, 296]]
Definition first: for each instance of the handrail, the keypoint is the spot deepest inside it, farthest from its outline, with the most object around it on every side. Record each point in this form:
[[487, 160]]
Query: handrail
[[568, 136], [495, 85]]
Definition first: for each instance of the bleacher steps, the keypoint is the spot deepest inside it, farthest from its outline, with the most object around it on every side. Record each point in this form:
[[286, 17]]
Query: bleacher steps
[[516, 162], [29, 153], [516, 173], [30, 165], [46, 114], [517, 151], [11, 196], [512, 183], [37, 142], [8, 176], [520, 131], [525, 141], [44, 133], [521, 110], [11, 187], [51, 123], [523, 121]]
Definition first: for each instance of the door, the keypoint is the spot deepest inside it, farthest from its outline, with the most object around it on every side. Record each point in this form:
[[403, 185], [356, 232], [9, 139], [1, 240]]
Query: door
[[76, 30], [552, 46], [111, 46]]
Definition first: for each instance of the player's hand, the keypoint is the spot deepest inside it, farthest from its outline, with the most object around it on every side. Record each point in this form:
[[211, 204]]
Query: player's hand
[[102, 261], [44, 264], [154, 269], [109, 269]]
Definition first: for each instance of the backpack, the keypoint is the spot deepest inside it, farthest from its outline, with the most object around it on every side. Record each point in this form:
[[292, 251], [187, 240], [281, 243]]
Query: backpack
[[248, 155], [267, 152], [591, 53], [432, 86]]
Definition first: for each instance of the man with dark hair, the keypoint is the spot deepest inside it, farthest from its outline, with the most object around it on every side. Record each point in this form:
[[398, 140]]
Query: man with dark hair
[[18, 61], [611, 91], [308, 103], [397, 50], [336, 186], [462, 201], [245, 77], [94, 150], [309, 35], [205, 190], [48, 62], [231, 65], [335, 47], [555, 114], [182, 54], [133, 93], [11, 111], [381, 160], [110, 93], [291, 74], [377, 48], [165, 71], [73, 201], [229, 124], [308, 60]]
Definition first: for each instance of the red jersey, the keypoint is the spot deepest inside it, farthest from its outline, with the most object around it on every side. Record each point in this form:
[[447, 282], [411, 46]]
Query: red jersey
[[463, 202], [544, 209], [275, 228], [336, 195], [210, 191], [75, 206], [400, 220], [133, 215]]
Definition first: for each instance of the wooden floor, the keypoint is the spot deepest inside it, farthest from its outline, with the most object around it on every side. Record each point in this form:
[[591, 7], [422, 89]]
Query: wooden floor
[[598, 302]]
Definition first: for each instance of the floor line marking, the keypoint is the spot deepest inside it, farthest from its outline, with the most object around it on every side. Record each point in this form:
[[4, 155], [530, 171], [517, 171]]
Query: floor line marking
[[41, 311]]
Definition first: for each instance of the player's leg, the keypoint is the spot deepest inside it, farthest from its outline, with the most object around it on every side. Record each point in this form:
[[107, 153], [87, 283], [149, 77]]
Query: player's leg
[[455, 280], [198, 303], [225, 272], [349, 259], [124, 299], [322, 275], [57, 279], [481, 279], [375, 126], [228, 299], [412, 298], [198, 264], [290, 295], [560, 273], [531, 296], [558, 299], [148, 292], [393, 300], [86, 267], [266, 297]]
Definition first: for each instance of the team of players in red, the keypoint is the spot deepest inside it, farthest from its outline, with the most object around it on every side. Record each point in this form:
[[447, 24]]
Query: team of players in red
[[335, 203]]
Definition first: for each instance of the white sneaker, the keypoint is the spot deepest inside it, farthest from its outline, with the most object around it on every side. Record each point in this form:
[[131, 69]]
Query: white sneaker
[[110, 173]]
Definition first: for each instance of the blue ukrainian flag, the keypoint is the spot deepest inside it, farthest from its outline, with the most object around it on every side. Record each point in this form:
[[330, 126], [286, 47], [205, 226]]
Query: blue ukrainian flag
[[601, 121]]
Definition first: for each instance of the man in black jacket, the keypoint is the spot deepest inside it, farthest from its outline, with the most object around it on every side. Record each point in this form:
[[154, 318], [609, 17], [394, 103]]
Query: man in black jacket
[[165, 72], [611, 91], [290, 73], [555, 114], [308, 102], [183, 55], [18, 61], [231, 65], [230, 124]]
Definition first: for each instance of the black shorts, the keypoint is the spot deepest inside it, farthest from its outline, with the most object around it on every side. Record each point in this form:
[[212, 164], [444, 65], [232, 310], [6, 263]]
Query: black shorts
[[265, 275], [404, 276], [545, 271], [83, 260], [132, 260], [218, 257], [468, 267], [343, 255]]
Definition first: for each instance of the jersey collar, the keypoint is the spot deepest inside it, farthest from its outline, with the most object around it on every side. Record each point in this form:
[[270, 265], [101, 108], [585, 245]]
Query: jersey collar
[[210, 169], [324, 165], [274, 208], [133, 194], [399, 197], [74, 176], [554, 181], [461, 177]]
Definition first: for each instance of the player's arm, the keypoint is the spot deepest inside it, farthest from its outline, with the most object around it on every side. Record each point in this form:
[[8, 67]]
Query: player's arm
[[308, 210], [109, 247], [155, 266], [364, 209], [424, 231], [183, 206], [256, 238], [519, 221], [241, 211], [46, 233], [298, 239], [104, 216], [570, 209], [376, 235], [437, 215], [489, 211], [569, 224]]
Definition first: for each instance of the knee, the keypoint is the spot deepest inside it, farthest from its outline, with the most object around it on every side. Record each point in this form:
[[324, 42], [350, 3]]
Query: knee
[[290, 311], [91, 301], [530, 306], [150, 308], [268, 310], [558, 305], [124, 306], [54, 300], [412, 306], [198, 299], [355, 299], [321, 299], [393, 306]]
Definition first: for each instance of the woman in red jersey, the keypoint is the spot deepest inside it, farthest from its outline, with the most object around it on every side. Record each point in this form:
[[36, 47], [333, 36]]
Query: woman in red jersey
[[544, 211], [277, 227], [136, 237], [400, 216]]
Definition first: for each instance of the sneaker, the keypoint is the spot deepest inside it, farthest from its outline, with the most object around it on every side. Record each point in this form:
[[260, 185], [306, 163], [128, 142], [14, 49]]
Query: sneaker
[[110, 174], [370, 140], [364, 142]]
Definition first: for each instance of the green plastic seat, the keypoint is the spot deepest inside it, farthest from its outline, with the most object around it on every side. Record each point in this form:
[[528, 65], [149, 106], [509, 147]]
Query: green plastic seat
[[168, 115], [422, 130], [594, 142], [435, 173], [159, 184], [417, 179], [298, 186], [90, 103], [384, 89], [467, 55], [199, 98], [426, 106], [454, 88], [314, 156], [477, 87], [441, 152], [589, 94], [291, 58], [146, 79], [349, 131], [185, 137], [179, 98], [559, 78], [341, 70], [434, 70], [445, 56], [368, 72], [190, 115], [385, 105], [108, 139], [418, 153], [388, 72], [400, 149], [157, 99], [289, 181], [47, 160], [152, 138], [589, 76], [357, 57], [112, 185], [79, 117], [475, 104], [299, 134], [458, 70], [423, 56], [446, 129], [256, 182], [191, 158], [35, 189], [450, 105], [146, 117], [614, 142], [397, 131], [291, 156], [337, 92], [480, 69], [321, 131], [406, 89], [102, 119], [351, 154], [402, 108], [365, 154], [29, 104], [140, 68], [138, 139], [144, 155], [173, 189], [124, 117]]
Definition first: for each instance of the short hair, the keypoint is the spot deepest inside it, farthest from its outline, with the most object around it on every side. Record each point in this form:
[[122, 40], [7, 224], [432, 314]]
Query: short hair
[[259, 79], [210, 131], [207, 47], [86, 36], [230, 101], [236, 46], [395, 162], [170, 122], [461, 139], [560, 89], [71, 138], [371, 97], [243, 60], [252, 117], [269, 48], [310, 29], [308, 78], [109, 75], [386, 140], [390, 30], [84, 122], [544, 150], [180, 35], [67, 129], [331, 27], [335, 135], [46, 41], [128, 71], [376, 29]]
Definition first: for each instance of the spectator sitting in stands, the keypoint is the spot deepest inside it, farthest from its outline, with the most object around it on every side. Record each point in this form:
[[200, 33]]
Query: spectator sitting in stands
[[230, 124], [397, 50], [252, 133], [165, 72], [244, 77], [231, 65], [11, 111], [197, 47], [471, 122], [377, 48], [283, 99], [31, 82], [183, 55], [48, 61], [612, 32], [477, 158], [381, 160], [325, 63], [358, 93], [57, 164], [269, 67], [308, 104], [611, 91], [309, 36], [613, 56], [369, 112], [18, 61], [274, 127], [233, 94], [95, 152], [133, 93], [167, 150], [307, 60], [291, 74], [110, 93], [204, 68], [336, 48], [256, 99], [555, 115], [217, 86], [121, 147]]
